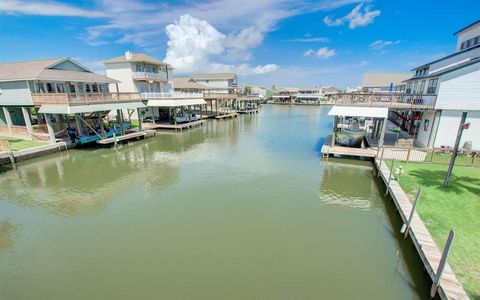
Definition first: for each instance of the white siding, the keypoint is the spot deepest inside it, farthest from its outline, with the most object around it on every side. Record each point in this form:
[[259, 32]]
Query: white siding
[[448, 128], [222, 85], [15, 93], [423, 136], [123, 73], [460, 90], [468, 34]]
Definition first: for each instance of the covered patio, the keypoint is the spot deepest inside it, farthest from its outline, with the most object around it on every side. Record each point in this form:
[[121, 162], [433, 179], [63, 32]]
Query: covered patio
[[175, 114]]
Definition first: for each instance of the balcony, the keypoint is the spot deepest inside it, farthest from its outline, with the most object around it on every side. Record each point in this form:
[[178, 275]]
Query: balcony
[[170, 95], [84, 99], [150, 76], [390, 100]]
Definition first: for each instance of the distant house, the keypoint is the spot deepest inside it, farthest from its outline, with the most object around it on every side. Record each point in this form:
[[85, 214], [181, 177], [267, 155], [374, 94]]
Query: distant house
[[187, 85], [218, 82], [384, 82]]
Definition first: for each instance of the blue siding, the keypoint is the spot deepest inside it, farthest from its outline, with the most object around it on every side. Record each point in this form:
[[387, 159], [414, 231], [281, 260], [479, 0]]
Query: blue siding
[[68, 65]]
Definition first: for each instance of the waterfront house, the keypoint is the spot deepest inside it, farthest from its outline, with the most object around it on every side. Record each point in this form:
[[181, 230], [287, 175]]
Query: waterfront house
[[452, 85], [39, 99], [286, 95], [152, 80], [309, 95]]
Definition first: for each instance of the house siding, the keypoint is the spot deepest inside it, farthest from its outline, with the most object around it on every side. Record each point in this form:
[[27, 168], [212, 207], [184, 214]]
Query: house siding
[[448, 128], [15, 93], [69, 66], [460, 90], [123, 73]]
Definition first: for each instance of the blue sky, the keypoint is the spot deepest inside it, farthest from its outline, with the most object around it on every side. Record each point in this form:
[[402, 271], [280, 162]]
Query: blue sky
[[282, 42]]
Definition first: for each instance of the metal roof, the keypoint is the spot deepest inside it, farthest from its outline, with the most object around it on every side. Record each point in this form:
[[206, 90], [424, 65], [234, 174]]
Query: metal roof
[[467, 27], [137, 57], [353, 111], [175, 102]]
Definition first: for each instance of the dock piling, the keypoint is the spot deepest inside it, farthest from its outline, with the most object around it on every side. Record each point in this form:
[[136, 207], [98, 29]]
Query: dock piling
[[406, 226], [390, 177], [441, 265]]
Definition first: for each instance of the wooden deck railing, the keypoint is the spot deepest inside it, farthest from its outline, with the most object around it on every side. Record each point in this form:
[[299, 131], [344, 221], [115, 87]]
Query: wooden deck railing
[[393, 100], [221, 96], [85, 98], [430, 155]]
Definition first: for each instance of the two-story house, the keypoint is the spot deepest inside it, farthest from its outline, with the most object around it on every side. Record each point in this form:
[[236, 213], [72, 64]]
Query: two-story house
[[38, 97], [153, 80], [226, 83], [384, 82], [452, 85]]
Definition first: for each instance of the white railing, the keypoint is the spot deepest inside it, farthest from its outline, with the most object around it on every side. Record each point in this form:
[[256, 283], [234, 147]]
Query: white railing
[[317, 95], [171, 95], [149, 75]]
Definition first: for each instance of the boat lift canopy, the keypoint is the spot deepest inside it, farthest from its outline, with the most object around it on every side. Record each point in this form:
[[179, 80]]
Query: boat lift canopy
[[66, 109], [353, 111], [176, 102]]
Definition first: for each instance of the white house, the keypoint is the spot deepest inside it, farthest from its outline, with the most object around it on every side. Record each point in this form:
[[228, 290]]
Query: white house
[[226, 83], [453, 83]]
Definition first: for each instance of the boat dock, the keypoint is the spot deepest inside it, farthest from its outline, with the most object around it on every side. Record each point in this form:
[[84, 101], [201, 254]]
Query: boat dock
[[227, 116], [328, 150], [248, 111], [121, 138], [6, 157], [174, 126], [449, 287]]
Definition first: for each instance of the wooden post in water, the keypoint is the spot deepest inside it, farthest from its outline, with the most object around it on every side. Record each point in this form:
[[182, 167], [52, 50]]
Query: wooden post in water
[[441, 265], [390, 177], [406, 227], [381, 162]]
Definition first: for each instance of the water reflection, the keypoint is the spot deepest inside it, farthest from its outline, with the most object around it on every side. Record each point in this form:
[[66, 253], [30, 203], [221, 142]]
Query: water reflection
[[85, 181], [7, 230], [348, 185]]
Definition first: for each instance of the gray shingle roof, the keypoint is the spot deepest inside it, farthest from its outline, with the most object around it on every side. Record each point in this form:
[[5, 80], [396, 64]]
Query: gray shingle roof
[[187, 83], [39, 70], [137, 57]]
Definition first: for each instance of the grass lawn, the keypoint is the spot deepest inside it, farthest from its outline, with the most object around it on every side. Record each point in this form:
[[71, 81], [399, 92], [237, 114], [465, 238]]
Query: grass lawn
[[457, 207], [19, 144]]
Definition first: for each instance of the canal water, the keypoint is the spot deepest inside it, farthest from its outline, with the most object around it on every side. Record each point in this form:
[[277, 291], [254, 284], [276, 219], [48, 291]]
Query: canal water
[[238, 209]]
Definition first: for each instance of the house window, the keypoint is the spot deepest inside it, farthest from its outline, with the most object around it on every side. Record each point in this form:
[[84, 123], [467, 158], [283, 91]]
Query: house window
[[71, 88], [476, 41], [415, 86], [422, 87], [469, 43], [60, 87], [50, 87], [138, 68], [426, 124], [88, 88], [39, 87], [432, 86], [463, 45], [95, 88], [103, 88]]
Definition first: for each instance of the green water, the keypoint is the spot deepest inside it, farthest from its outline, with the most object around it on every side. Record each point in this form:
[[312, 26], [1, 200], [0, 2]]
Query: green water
[[238, 209]]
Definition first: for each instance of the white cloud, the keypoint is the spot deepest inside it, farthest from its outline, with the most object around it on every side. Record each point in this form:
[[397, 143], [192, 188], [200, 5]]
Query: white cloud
[[356, 18], [380, 44], [310, 40], [322, 53], [193, 43], [46, 8]]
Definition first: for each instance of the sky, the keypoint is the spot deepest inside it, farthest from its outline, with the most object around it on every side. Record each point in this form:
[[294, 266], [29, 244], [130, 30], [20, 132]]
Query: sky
[[283, 42]]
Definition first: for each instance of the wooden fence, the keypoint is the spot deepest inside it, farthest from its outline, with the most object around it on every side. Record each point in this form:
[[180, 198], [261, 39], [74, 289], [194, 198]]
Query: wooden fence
[[430, 155]]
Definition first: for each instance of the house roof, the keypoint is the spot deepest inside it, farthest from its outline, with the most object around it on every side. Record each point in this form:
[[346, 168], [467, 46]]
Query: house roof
[[384, 79], [137, 57], [466, 27], [187, 83], [449, 69], [43, 70], [447, 57], [226, 76]]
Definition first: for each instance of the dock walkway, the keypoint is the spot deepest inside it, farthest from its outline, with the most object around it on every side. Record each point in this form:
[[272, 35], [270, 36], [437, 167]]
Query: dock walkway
[[347, 151], [126, 137], [430, 254], [174, 126], [227, 116], [7, 156]]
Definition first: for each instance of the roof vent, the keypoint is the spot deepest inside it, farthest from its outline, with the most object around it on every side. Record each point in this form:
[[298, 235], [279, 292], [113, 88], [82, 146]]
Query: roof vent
[[128, 55]]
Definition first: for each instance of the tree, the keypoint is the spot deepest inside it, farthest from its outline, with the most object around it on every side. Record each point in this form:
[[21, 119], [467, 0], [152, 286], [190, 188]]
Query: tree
[[247, 90]]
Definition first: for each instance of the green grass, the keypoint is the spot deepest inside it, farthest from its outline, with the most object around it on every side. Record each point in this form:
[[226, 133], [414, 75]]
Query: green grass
[[457, 207], [134, 124], [19, 144]]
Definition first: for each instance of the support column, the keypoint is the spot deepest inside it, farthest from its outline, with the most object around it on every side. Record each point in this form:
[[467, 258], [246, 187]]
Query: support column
[[120, 121], [8, 118], [28, 122], [139, 120], [100, 123], [51, 132], [78, 121], [335, 121], [382, 133]]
